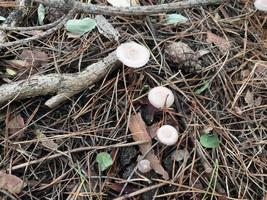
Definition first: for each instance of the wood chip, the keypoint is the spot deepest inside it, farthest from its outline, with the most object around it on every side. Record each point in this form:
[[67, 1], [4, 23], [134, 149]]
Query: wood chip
[[139, 133]]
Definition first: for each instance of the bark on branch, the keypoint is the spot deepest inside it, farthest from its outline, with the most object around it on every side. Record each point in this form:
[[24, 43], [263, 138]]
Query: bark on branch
[[136, 10], [64, 85]]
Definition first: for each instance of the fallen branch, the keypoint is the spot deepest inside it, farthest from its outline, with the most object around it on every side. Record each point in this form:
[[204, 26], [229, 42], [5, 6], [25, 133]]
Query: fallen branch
[[41, 35], [64, 85], [43, 27], [136, 10]]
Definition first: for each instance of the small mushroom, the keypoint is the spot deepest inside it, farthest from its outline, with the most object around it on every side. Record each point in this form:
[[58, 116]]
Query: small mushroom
[[144, 166], [161, 97], [261, 5], [132, 54], [167, 135]]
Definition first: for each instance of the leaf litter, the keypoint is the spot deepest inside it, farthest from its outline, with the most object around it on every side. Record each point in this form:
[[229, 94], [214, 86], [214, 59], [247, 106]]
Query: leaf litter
[[139, 133], [107, 104], [15, 125]]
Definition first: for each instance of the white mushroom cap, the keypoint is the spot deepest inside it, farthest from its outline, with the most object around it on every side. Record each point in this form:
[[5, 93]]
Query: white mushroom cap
[[144, 166], [161, 96], [261, 5], [132, 54], [167, 135]]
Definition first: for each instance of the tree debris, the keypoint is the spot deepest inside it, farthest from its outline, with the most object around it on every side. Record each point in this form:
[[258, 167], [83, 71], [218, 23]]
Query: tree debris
[[139, 133]]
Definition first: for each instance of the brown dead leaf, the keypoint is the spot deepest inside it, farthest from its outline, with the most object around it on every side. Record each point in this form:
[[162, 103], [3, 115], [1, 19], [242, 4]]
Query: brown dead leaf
[[15, 125], [50, 144], [139, 133], [249, 98], [218, 41], [10, 183], [34, 57]]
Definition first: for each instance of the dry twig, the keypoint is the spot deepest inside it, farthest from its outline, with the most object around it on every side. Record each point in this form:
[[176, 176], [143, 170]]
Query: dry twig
[[137, 10], [65, 85]]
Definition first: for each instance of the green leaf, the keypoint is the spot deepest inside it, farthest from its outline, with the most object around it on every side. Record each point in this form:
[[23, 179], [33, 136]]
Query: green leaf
[[11, 72], [209, 140], [41, 14], [203, 88], [80, 26], [104, 160], [175, 18], [2, 18]]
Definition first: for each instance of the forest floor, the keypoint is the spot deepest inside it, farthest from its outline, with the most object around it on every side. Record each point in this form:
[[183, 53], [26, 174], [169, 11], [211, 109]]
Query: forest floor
[[51, 153]]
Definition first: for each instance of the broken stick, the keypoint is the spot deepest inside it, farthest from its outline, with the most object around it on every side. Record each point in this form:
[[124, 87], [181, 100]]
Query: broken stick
[[135, 10], [63, 85]]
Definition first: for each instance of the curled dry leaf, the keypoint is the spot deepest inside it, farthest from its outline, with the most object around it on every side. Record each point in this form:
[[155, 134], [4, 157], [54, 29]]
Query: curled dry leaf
[[106, 28], [15, 125], [218, 41], [139, 133], [10, 183]]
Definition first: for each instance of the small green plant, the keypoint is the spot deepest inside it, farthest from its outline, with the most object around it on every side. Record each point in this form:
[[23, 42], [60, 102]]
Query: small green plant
[[80, 26], [175, 19], [104, 160], [209, 140]]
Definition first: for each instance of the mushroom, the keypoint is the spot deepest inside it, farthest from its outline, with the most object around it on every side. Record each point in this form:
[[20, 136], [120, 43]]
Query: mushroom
[[167, 135], [261, 5], [132, 54], [144, 166], [161, 97]]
